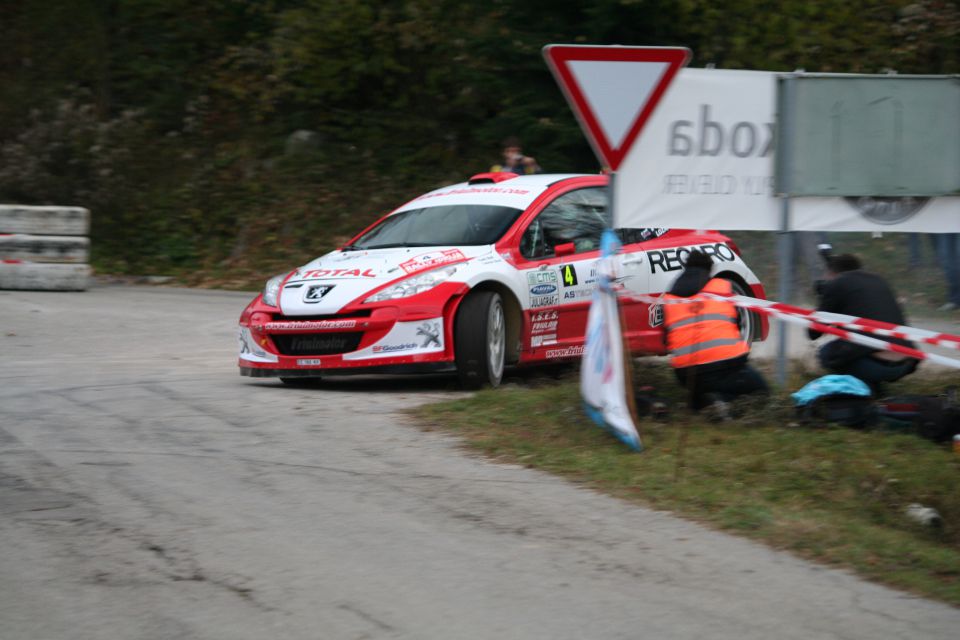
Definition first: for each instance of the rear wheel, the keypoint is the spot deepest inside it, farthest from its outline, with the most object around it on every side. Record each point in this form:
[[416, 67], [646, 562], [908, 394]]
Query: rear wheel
[[480, 338]]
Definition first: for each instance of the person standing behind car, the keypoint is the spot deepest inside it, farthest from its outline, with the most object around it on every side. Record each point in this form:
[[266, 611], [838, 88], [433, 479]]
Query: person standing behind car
[[514, 161], [707, 352], [854, 292]]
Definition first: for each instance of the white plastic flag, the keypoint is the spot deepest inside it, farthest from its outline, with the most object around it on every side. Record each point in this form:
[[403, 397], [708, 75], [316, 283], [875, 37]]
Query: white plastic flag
[[604, 379]]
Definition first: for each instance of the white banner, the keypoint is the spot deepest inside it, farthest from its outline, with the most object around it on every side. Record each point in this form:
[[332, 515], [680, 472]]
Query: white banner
[[704, 160], [604, 381]]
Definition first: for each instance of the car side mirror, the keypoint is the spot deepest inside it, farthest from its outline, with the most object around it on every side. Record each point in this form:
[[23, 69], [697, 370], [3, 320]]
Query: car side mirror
[[565, 249]]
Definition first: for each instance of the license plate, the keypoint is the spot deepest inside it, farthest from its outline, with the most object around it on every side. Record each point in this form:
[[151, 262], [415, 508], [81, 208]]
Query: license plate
[[308, 362]]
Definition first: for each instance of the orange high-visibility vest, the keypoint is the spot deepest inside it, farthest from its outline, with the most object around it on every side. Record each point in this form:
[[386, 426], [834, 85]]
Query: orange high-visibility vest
[[703, 331]]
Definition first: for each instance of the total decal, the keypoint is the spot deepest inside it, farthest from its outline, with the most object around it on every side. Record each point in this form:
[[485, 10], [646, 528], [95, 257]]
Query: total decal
[[432, 259], [316, 274], [405, 338], [250, 350], [544, 288]]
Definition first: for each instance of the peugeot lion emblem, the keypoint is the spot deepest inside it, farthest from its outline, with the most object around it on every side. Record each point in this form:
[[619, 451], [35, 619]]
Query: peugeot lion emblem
[[315, 293]]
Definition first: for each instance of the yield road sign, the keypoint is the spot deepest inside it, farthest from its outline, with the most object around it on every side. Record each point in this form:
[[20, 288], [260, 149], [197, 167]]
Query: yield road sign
[[613, 90]]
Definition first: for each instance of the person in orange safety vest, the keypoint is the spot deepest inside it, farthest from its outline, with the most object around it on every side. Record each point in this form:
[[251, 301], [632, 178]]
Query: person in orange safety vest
[[707, 352]]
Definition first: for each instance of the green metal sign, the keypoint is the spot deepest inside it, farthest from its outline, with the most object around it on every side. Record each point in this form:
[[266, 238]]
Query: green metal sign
[[853, 135]]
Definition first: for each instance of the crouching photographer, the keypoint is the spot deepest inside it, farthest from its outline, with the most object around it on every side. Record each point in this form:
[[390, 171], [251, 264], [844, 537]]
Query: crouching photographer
[[850, 290]]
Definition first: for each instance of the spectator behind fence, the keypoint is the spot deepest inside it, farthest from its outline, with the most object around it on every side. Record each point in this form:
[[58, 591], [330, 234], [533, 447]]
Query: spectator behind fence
[[514, 161], [852, 291], [707, 352], [948, 254]]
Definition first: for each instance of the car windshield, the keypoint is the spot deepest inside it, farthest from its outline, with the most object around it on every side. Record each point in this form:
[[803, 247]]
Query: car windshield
[[464, 224]]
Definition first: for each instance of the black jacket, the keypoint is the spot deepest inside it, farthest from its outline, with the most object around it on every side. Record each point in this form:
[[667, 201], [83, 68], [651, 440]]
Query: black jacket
[[864, 295], [690, 282]]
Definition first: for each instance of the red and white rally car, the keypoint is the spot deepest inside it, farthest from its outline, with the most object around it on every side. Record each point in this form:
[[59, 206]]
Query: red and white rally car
[[471, 278]]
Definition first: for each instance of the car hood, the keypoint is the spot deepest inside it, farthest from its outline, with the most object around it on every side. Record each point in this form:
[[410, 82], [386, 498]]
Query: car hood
[[327, 284]]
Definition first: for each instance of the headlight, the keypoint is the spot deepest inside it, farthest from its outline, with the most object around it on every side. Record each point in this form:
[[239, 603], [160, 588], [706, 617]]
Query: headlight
[[414, 285], [272, 289]]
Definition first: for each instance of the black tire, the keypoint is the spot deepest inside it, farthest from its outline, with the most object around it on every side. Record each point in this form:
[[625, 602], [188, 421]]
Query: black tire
[[480, 339], [749, 320]]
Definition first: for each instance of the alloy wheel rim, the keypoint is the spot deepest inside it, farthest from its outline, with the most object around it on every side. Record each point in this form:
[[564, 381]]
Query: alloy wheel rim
[[496, 339]]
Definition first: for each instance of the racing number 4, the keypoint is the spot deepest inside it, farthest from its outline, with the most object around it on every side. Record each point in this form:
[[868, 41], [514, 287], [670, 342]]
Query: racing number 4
[[569, 275]]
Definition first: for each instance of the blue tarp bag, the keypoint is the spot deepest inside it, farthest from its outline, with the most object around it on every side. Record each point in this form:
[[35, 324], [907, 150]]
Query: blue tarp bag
[[836, 398], [829, 385]]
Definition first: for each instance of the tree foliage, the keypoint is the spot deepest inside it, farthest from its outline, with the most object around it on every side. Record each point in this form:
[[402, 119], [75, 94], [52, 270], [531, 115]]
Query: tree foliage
[[169, 117]]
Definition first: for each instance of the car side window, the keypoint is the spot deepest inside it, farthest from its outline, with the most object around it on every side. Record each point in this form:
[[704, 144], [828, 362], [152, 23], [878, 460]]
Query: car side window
[[578, 216]]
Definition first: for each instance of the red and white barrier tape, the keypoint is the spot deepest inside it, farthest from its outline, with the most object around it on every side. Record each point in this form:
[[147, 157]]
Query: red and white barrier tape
[[837, 324]]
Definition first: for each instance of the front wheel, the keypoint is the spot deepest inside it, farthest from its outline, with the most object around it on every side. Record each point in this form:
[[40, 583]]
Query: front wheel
[[749, 320], [480, 338]]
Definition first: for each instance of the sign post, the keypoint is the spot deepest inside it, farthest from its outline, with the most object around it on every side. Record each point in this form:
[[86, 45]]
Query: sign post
[[613, 91]]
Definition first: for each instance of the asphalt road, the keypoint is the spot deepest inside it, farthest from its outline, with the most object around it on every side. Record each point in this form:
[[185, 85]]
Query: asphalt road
[[149, 492]]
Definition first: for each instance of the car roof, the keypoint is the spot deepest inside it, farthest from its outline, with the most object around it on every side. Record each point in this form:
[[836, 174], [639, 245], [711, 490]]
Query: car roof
[[518, 192]]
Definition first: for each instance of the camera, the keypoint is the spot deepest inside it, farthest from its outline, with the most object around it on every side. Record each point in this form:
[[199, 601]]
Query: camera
[[826, 252]]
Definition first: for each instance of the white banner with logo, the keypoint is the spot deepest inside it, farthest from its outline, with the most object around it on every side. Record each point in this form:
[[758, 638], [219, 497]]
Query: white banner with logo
[[705, 161], [604, 379]]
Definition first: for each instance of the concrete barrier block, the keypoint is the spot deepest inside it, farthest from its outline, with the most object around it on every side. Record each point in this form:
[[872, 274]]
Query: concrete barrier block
[[30, 248], [59, 221], [44, 276]]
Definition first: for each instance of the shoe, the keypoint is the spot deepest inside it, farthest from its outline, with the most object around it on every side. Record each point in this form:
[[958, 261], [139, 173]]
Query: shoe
[[949, 306], [718, 411]]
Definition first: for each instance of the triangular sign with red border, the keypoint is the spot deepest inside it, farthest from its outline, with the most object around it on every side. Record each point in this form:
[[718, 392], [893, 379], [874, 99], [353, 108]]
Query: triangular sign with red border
[[614, 90]]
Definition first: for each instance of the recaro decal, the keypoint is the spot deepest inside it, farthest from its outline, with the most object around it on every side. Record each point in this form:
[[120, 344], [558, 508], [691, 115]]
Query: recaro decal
[[666, 260]]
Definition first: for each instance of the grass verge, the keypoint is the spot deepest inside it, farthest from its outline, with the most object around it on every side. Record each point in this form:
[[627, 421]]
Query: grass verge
[[827, 493]]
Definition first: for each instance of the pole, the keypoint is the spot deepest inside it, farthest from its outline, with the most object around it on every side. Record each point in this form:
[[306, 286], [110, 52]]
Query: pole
[[784, 167]]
